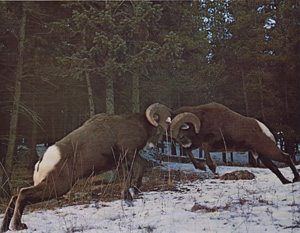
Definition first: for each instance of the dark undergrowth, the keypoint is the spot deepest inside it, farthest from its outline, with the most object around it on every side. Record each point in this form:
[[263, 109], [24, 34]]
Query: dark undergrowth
[[98, 190]]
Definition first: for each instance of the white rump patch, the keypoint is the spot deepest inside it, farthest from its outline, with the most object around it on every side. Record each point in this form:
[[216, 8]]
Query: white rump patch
[[265, 130], [42, 168]]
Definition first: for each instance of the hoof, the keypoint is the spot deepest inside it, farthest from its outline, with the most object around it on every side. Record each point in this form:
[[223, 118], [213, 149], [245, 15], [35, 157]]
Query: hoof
[[4, 227], [200, 166], [19, 227], [216, 175], [296, 179], [213, 168], [129, 203], [132, 192], [3, 230], [286, 182], [129, 195]]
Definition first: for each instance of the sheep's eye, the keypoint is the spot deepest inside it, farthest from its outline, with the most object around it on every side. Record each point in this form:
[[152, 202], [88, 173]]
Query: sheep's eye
[[180, 135], [185, 126]]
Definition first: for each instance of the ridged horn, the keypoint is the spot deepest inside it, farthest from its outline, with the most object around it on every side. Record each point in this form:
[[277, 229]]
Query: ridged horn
[[182, 119], [159, 115]]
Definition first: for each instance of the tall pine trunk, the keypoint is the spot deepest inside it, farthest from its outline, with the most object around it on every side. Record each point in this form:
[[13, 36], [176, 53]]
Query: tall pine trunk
[[245, 93], [6, 190], [289, 146], [110, 105], [135, 94], [251, 160], [262, 105], [33, 153], [88, 80], [90, 94], [33, 139]]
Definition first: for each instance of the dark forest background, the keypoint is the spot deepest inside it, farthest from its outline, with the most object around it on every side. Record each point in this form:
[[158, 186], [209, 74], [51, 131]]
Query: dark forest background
[[62, 62]]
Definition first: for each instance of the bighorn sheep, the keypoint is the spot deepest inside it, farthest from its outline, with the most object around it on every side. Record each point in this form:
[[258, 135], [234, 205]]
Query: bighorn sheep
[[216, 128], [98, 145]]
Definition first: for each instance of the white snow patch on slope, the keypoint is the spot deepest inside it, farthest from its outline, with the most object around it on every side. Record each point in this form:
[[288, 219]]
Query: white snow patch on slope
[[259, 205]]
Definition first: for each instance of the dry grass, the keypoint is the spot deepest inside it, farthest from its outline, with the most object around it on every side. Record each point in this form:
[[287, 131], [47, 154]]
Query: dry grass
[[96, 189]]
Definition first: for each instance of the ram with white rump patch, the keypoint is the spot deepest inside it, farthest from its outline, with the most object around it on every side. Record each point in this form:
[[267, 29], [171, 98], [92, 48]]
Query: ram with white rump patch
[[100, 144], [215, 128]]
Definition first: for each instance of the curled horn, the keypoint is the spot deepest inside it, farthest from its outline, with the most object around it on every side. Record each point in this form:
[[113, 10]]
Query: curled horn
[[182, 119], [158, 115]]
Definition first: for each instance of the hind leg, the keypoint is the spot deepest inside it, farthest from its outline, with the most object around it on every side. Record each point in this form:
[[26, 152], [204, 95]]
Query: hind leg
[[43, 191], [8, 214], [269, 164], [288, 160]]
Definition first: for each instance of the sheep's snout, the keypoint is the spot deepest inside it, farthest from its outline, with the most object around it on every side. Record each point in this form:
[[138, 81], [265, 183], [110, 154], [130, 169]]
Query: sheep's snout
[[149, 146], [187, 145]]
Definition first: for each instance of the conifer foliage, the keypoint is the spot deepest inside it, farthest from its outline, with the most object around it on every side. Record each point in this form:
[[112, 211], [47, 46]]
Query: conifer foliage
[[62, 62]]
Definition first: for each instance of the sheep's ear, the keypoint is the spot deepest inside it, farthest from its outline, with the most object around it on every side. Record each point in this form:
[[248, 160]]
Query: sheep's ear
[[156, 117], [158, 130], [185, 126]]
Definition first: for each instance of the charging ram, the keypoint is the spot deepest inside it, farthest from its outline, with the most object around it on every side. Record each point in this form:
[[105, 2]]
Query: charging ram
[[215, 128], [97, 146]]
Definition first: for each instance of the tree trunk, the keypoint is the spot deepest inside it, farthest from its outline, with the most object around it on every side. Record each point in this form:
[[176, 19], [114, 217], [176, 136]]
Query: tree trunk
[[181, 150], [288, 139], [251, 160], [289, 147], [245, 94], [224, 157], [16, 106], [200, 153], [90, 94], [135, 94], [261, 99], [173, 148], [33, 139], [88, 80], [52, 131], [110, 95], [33, 153], [3, 151]]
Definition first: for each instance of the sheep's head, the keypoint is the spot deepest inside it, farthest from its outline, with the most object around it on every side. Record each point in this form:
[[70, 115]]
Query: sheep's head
[[160, 117], [181, 129]]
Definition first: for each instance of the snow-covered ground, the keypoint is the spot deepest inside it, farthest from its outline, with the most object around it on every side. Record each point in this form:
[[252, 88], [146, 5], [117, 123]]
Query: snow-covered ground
[[211, 205]]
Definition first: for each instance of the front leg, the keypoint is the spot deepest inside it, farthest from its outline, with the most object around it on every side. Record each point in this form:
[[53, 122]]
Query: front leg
[[208, 159], [133, 169], [197, 164], [209, 162], [139, 166]]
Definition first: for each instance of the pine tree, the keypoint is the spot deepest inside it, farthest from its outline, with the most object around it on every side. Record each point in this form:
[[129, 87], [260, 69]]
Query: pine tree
[[284, 46], [16, 105]]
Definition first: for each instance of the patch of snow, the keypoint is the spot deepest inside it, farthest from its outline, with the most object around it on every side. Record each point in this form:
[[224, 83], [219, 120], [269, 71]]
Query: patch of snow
[[259, 205]]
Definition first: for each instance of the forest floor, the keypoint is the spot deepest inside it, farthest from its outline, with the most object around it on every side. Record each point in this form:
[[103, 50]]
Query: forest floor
[[174, 197]]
